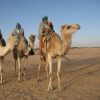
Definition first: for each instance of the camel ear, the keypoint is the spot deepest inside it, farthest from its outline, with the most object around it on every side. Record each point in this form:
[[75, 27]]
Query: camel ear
[[12, 34], [69, 26], [62, 27]]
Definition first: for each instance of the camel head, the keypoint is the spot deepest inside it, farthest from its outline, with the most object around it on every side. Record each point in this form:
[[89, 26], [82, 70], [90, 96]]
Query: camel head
[[13, 41], [31, 41], [68, 30]]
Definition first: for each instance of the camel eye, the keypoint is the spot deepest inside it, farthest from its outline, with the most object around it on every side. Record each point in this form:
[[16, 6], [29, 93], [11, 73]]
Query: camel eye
[[68, 27]]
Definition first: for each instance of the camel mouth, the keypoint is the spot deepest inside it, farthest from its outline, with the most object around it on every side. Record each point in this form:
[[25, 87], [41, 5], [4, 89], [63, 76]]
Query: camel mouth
[[78, 26]]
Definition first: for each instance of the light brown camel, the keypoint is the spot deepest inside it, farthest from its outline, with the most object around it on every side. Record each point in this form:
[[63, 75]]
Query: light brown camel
[[22, 51], [12, 41], [56, 48]]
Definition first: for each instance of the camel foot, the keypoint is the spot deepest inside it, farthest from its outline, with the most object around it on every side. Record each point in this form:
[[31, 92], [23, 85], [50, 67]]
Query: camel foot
[[22, 74], [49, 89], [18, 80], [59, 89], [1, 82], [15, 75], [39, 79]]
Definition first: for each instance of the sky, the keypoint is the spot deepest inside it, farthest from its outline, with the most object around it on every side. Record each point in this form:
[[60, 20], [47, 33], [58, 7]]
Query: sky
[[29, 13]]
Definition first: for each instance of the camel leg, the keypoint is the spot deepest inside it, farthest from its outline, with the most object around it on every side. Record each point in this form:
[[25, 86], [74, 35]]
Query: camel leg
[[15, 68], [24, 69], [58, 73], [1, 71], [50, 73], [19, 69], [39, 67], [46, 68]]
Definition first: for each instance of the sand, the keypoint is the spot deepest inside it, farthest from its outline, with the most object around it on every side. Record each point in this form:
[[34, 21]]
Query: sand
[[80, 78]]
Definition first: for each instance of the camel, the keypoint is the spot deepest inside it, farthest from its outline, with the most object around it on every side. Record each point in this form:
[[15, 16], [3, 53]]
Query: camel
[[5, 49], [57, 47], [22, 51]]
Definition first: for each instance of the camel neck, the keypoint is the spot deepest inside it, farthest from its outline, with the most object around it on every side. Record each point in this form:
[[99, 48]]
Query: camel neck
[[4, 50], [66, 39]]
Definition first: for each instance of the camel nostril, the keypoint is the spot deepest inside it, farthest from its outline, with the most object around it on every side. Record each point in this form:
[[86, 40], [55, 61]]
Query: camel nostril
[[78, 26]]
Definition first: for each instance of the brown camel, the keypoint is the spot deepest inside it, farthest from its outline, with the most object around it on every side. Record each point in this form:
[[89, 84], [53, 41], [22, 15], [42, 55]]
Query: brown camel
[[22, 51], [5, 49], [57, 47]]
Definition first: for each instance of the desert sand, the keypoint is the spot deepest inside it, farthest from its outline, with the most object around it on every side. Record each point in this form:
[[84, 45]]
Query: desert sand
[[80, 78]]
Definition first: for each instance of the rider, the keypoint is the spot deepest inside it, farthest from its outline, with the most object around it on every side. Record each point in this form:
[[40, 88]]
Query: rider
[[44, 25], [19, 30]]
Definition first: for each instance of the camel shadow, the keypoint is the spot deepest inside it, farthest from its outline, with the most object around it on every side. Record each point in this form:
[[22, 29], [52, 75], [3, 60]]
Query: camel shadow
[[67, 67], [80, 65], [77, 65], [75, 80], [9, 75]]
